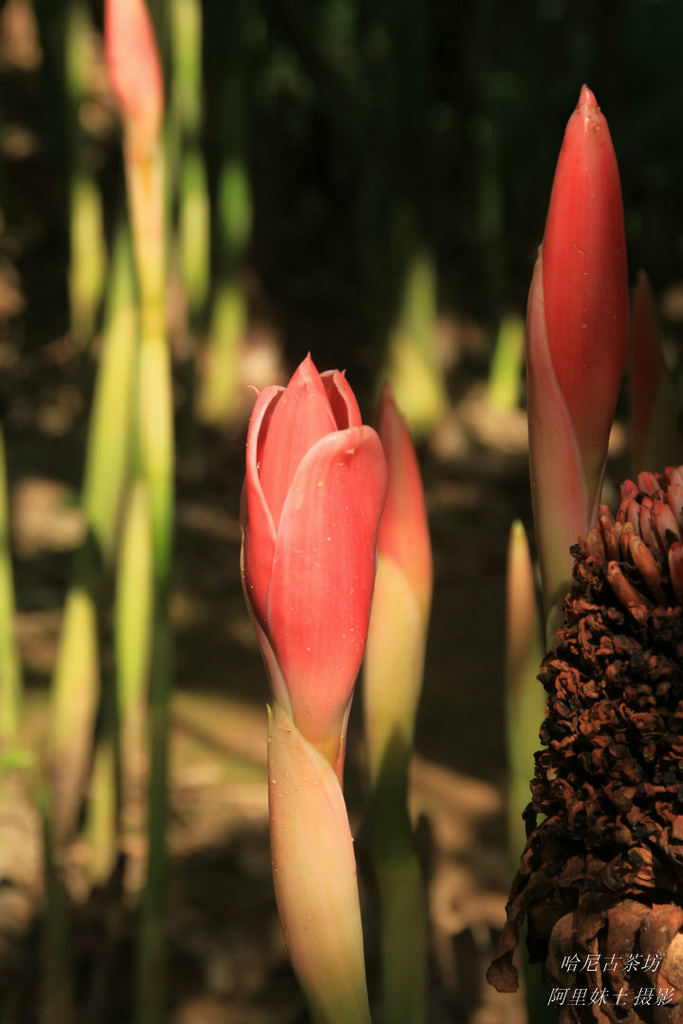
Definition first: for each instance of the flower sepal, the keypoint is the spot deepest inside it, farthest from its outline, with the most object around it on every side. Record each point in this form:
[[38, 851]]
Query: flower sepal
[[314, 872]]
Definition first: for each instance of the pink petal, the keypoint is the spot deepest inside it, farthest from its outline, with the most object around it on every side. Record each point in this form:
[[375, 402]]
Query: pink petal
[[342, 399], [301, 417], [323, 576], [258, 544]]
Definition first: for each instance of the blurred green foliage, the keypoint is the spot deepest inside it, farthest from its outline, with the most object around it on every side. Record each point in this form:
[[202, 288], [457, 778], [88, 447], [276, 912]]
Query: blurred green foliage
[[353, 117], [457, 111]]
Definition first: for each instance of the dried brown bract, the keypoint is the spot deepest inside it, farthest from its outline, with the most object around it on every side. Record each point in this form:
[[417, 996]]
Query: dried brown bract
[[601, 877]]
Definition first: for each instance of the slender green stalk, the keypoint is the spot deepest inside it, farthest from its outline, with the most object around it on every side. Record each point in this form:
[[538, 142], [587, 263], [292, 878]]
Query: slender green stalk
[[110, 440], [107, 471], [11, 687], [394, 665], [402, 896], [133, 641], [392, 681], [146, 199], [76, 686], [314, 873], [188, 185]]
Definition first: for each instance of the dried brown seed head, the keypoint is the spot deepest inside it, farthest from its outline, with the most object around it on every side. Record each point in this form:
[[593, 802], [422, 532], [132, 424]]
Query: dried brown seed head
[[602, 871]]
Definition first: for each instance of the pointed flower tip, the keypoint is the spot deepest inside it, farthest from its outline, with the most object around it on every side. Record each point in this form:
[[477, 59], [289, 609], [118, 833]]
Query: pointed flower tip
[[588, 116], [587, 101]]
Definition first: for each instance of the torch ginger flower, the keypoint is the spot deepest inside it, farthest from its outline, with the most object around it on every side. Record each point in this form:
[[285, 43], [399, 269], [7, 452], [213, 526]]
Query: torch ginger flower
[[313, 494], [577, 338]]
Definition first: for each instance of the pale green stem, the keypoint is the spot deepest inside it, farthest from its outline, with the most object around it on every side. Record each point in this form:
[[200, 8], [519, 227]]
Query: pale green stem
[[404, 936], [110, 438], [107, 470], [146, 198], [392, 682], [403, 915], [314, 873], [188, 185], [76, 685], [133, 641]]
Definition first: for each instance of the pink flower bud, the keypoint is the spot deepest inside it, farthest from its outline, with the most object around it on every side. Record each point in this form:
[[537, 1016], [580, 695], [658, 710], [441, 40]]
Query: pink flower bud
[[577, 338], [404, 531], [313, 495], [394, 658], [133, 64]]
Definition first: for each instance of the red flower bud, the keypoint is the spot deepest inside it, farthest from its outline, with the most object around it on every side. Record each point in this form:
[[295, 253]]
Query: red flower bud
[[133, 64], [313, 495], [585, 277], [577, 337]]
